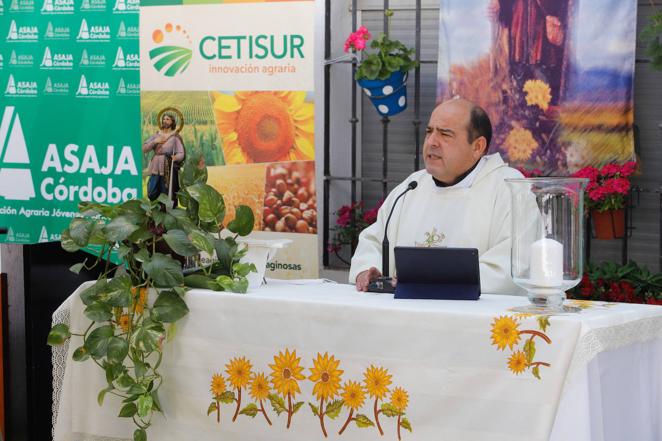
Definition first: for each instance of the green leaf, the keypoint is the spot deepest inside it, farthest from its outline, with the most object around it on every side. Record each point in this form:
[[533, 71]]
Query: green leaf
[[164, 271], [226, 282], [98, 312], [102, 394], [140, 368], [240, 285], [543, 322], [226, 397], [81, 354], [157, 403], [201, 281], [225, 252], [118, 291], [390, 410], [77, 267], [530, 350], [333, 409], [139, 435], [536, 371], [242, 269], [80, 230], [68, 243], [118, 349], [128, 410], [169, 307], [212, 408], [296, 407], [363, 421], [211, 205], [243, 221], [145, 405], [58, 335], [251, 410], [404, 422], [142, 255], [140, 235], [113, 371], [148, 335], [125, 381], [165, 200], [120, 228], [91, 293], [201, 241], [313, 409], [137, 389], [277, 403], [180, 243]]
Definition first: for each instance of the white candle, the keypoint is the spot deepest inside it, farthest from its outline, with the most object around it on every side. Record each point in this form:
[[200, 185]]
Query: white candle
[[547, 263]]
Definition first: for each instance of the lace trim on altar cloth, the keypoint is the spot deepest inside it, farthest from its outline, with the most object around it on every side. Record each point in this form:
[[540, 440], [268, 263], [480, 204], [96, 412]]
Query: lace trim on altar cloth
[[613, 337], [88, 437], [59, 360]]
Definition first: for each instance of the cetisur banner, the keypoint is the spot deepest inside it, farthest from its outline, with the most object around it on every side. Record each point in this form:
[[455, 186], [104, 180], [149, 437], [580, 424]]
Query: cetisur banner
[[238, 77], [69, 111]]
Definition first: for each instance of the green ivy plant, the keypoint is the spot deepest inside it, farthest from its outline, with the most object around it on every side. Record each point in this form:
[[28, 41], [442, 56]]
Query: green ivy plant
[[133, 307], [651, 34]]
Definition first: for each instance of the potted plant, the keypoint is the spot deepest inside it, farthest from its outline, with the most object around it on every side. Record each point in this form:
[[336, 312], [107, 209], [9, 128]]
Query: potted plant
[[132, 307], [606, 196], [651, 34], [383, 73], [350, 221]]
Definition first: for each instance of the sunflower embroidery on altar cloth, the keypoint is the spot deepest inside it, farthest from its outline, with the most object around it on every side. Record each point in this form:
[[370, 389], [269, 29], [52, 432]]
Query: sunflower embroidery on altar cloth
[[506, 333], [330, 393], [432, 239], [265, 126]]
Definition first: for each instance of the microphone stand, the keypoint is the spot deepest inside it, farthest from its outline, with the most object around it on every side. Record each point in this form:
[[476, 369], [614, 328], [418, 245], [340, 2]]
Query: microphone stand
[[384, 283]]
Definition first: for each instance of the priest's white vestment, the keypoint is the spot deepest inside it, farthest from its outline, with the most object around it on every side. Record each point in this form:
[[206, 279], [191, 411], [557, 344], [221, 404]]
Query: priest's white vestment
[[474, 213]]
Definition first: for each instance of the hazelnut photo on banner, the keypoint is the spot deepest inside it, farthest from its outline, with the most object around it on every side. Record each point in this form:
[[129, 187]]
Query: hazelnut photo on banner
[[290, 203]]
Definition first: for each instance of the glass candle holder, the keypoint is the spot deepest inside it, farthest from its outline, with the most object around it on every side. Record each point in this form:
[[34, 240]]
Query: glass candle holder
[[547, 253]]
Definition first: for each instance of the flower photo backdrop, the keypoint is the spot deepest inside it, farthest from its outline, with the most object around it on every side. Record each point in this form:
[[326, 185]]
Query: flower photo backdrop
[[560, 76]]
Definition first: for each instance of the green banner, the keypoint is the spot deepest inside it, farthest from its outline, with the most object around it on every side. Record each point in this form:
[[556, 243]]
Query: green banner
[[69, 111]]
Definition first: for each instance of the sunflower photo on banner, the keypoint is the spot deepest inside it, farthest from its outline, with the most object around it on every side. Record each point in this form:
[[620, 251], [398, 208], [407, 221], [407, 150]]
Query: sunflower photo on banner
[[555, 76], [237, 78]]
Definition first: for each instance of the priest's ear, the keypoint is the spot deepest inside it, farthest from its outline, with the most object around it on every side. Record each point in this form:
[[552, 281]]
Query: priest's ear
[[479, 147]]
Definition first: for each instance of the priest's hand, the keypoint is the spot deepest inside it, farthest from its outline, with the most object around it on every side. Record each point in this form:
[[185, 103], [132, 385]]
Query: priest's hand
[[364, 278]]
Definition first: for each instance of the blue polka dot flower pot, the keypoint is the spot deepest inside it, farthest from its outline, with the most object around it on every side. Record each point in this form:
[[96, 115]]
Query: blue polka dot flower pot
[[389, 96]]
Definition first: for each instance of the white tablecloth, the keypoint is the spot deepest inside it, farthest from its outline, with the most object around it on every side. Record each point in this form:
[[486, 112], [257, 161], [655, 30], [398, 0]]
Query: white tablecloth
[[602, 383]]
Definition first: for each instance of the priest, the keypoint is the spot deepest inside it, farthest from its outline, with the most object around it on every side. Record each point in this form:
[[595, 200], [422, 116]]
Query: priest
[[461, 200]]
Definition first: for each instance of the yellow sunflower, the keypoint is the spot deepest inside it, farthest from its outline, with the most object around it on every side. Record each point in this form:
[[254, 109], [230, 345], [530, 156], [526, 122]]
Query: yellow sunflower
[[139, 305], [217, 385], [538, 93], [353, 394], [271, 126], [125, 321], [259, 387], [520, 144], [239, 371], [285, 373], [377, 381], [517, 362], [399, 399], [326, 375], [505, 332]]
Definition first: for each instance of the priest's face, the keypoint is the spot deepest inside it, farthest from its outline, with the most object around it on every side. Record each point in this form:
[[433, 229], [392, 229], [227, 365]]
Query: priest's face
[[447, 151]]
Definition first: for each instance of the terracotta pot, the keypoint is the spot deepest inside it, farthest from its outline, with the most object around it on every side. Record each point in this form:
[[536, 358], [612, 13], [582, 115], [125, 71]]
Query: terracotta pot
[[609, 224]]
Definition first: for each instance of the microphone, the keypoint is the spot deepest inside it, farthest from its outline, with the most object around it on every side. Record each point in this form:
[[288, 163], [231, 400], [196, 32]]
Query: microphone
[[383, 284]]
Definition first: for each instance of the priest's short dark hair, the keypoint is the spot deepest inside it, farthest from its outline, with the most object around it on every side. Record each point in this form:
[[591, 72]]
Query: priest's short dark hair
[[479, 125]]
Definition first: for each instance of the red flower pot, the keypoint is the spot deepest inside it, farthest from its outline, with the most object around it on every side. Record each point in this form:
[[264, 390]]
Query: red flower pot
[[609, 224]]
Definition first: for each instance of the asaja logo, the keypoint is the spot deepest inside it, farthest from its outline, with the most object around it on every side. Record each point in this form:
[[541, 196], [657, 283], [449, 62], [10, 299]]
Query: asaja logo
[[92, 59], [56, 88], [20, 88], [2, 7], [43, 236], [93, 5], [18, 236], [56, 60], [57, 32], [93, 89], [15, 176], [126, 6], [21, 60], [57, 7], [126, 62], [22, 33], [21, 6], [93, 33], [171, 59], [127, 89], [127, 32]]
